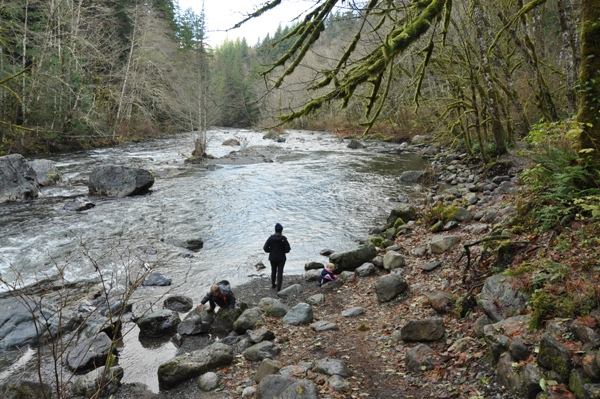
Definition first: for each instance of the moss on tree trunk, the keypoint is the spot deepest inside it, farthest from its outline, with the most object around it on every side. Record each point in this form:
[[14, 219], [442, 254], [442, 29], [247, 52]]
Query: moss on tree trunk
[[589, 106]]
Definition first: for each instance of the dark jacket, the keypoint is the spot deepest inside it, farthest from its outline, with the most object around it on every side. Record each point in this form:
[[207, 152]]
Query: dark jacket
[[227, 300], [326, 276], [277, 246]]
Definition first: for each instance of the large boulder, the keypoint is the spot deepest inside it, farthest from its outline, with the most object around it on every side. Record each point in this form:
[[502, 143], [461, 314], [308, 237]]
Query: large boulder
[[18, 180], [500, 297], [46, 172], [90, 353], [351, 260], [119, 181], [18, 319], [190, 365], [158, 323]]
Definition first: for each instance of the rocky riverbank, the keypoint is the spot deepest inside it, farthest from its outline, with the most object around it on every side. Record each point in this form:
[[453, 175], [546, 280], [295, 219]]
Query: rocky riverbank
[[397, 322], [422, 309]]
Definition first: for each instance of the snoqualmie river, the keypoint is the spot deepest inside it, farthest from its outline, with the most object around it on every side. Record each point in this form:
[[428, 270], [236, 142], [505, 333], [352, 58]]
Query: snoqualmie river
[[323, 193]]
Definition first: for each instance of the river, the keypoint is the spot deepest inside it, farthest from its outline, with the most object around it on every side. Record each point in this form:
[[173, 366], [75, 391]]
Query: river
[[325, 195]]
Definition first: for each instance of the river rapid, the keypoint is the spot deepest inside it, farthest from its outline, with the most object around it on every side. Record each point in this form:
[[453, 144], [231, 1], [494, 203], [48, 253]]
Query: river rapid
[[325, 195]]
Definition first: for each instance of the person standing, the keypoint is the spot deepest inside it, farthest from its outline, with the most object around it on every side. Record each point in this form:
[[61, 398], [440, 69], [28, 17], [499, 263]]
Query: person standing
[[277, 246]]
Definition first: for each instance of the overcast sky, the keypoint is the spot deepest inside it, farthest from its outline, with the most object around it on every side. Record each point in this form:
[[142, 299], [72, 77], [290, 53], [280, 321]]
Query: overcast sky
[[223, 14]]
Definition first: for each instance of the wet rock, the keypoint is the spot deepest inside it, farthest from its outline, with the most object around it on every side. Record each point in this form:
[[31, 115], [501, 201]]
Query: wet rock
[[314, 266], [78, 206], [119, 181], [156, 279], [18, 180], [178, 303], [24, 390], [198, 321], [46, 171], [90, 353], [158, 323]]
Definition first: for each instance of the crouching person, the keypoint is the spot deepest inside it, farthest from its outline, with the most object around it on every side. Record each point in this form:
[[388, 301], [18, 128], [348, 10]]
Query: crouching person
[[220, 294]]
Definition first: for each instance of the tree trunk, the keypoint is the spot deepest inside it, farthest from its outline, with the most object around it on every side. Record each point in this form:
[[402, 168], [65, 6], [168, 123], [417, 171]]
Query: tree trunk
[[589, 77]]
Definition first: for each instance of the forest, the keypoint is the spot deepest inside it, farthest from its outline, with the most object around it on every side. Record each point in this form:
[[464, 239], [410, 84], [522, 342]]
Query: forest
[[476, 74]]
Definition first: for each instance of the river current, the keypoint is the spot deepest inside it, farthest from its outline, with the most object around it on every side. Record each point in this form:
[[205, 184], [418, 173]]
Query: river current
[[325, 195]]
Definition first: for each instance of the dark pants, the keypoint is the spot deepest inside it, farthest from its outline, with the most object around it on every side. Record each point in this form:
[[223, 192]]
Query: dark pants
[[219, 301], [277, 273]]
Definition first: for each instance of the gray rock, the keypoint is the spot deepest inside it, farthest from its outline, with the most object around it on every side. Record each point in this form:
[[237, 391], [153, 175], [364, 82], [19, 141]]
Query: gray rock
[[393, 260], [500, 297], [18, 180], [262, 350], [87, 385], [314, 266], [390, 286], [439, 245], [158, 323], [430, 266], [312, 275], [273, 307], [24, 390], [119, 181], [248, 320], [156, 279], [365, 269], [267, 367], [198, 321], [299, 314], [351, 260], [90, 353], [272, 386], [332, 366], [46, 171], [178, 303], [290, 291], [78, 205], [423, 330], [316, 299], [261, 334], [420, 358], [412, 176], [355, 144], [300, 389], [338, 383], [190, 365], [323, 325], [208, 381], [353, 312]]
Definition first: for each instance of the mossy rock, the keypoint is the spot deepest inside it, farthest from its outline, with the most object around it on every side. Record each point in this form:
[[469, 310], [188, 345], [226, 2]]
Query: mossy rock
[[398, 222], [376, 240]]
